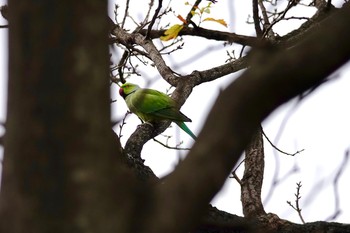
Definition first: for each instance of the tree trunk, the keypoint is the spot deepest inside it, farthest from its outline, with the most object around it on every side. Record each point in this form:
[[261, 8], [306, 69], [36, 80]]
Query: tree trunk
[[58, 145]]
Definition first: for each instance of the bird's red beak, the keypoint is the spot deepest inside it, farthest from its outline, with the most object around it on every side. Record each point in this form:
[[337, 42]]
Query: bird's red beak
[[121, 92]]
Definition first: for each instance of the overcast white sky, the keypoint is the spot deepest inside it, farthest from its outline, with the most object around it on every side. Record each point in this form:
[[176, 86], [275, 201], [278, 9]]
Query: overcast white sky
[[320, 124]]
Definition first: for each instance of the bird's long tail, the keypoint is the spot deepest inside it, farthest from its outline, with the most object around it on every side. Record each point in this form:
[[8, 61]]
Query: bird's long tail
[[184, 127]]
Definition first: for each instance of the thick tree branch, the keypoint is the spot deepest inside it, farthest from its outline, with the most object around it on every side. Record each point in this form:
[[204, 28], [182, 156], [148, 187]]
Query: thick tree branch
[[220, 71], [252, 180], [213, 35], [135, 38]]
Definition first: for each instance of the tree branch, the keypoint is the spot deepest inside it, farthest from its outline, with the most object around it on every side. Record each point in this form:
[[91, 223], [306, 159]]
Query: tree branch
[[252, 180], [213, 35], [256, 19], [154, 17], [263, 87]]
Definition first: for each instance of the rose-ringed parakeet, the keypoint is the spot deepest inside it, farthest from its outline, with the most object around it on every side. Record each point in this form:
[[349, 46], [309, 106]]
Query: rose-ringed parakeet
[[151, 105]]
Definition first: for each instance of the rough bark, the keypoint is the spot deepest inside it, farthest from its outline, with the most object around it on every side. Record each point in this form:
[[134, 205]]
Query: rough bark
[[251, 183], [59, 176]]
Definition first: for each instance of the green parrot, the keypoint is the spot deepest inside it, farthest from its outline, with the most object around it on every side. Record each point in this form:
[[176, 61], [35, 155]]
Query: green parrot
[[151, 105]]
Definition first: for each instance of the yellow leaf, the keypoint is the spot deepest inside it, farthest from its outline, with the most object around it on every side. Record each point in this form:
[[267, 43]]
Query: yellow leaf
[[172, 32], [220, 21]]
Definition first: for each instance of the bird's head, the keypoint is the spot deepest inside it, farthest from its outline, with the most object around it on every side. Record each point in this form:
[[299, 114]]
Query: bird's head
[[127, 88]]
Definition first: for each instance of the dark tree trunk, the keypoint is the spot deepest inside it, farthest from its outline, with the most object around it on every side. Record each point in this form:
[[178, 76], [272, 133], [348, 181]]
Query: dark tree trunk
[[55, 163]]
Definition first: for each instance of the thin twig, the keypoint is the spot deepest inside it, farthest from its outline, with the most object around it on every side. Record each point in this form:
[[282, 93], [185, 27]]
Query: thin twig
[[121, 125], [145, 21], [4, 11], [279, 150], [121, 64], [160, 2], [264, 12], [126, 12], [256, 19], [240, 163], [298, 18], [279, 17], [242, 50], [297, 198], [234, 174], [190, 15], [171, 147]]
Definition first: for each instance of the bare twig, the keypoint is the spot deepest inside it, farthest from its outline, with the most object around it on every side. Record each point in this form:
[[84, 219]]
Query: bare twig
[[176, 147], [4, 11], [190, 15], [123, 123], [146, 20], [121, 64], [256, 19], [174, 42], [265, 18], [297, 206], [275, 177], [154, 17], [126, 13], [279, 150], [234, 174], [297, 18], [280, 16]]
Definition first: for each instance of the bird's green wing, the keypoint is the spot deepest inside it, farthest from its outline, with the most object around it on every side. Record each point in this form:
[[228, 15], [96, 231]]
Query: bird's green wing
[[156, 105]]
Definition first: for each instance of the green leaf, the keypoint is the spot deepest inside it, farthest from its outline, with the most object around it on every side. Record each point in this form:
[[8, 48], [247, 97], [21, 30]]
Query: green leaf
[[207, 10]]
